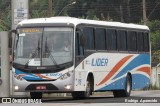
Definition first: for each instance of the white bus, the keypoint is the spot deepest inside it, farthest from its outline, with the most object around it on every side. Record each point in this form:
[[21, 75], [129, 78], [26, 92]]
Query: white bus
[[80, 56]]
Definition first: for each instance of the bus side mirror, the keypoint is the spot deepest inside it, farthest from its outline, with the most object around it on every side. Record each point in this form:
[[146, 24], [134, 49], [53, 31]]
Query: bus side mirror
[[14, 31]]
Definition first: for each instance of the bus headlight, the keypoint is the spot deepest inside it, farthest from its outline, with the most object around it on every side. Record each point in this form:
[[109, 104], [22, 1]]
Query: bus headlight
[[66, 75], [68, 87], [16, 88], [18, 77]]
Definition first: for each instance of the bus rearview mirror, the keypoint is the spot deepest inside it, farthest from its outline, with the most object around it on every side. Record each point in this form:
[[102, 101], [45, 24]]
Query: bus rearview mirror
[[13, 31]]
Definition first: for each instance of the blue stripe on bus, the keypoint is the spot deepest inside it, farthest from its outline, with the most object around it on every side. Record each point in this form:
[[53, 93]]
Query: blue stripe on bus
[[19, 72], [139, 82], [28, 76], [117, 85]]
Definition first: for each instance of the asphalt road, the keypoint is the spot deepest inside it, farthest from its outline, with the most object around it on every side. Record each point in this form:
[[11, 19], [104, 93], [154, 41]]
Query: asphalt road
[[138, 98], [107, 97]]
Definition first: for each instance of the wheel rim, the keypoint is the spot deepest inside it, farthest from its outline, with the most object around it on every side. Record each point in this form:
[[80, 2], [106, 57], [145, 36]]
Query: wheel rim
[[128, 86]]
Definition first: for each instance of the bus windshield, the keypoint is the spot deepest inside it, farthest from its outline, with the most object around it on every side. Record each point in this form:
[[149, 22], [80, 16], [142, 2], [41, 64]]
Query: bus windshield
[[46, 46]]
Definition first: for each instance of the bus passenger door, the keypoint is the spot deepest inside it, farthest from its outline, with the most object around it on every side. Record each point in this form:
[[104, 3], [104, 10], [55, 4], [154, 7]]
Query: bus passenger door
[[79, 57], [79, 48]]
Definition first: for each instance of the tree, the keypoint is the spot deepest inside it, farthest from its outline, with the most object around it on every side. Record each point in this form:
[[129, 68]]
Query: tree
[[37, 8], [154, 37], [5, 15]]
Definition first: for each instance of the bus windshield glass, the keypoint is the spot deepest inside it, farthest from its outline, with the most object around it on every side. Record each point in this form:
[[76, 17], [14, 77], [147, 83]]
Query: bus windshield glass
[[46, 46]]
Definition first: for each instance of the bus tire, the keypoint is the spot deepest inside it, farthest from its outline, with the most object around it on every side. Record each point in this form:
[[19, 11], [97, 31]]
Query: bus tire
[[88, 88], [36, 95], [83, 94], [127, 91], [128, 87]]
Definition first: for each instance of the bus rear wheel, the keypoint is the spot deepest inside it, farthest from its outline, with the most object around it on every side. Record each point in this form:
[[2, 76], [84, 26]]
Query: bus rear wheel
[[83, 94], [127, 91], [36, 95]]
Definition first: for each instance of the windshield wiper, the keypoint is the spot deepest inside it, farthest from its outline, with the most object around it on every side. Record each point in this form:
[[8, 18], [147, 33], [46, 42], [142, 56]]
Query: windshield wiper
[[50, 54], [34, 54]]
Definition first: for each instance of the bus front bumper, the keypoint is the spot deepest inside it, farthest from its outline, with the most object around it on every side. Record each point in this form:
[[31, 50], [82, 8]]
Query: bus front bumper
[[59, 85]]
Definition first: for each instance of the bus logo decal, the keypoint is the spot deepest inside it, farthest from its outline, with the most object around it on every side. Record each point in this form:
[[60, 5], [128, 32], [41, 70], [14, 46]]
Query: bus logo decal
[[54, 74], [99, 62]]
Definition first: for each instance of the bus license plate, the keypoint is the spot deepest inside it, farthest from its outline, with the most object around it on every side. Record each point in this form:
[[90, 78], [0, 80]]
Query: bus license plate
[[40, 87]]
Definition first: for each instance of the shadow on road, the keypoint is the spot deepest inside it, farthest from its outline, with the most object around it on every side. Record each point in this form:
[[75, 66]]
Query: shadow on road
[[132, 99], [71, 100]]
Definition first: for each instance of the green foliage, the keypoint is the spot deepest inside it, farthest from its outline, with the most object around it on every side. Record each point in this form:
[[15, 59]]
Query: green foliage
[[90, 15], [37, 14], [60, 6], [155, 40], [37, 8], [5, 20], [154, 25]]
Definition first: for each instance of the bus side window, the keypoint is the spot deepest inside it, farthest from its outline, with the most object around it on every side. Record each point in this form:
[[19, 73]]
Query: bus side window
[[79, 48], [89, 36], [122, 40], [146, 42], [140, 42], [111, 39], [132, 41], [100, 38]]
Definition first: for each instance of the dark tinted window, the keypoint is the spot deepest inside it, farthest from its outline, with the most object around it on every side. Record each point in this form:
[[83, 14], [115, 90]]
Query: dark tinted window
[[146, 42], [79, 48], [122, 40], [140, 42], [100, 39], [111, 39], [132, 41], [89, 36]]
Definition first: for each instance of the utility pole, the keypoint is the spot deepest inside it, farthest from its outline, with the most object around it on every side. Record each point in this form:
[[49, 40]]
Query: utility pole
[[128, 11], [144, 12], [121, 12], [19, 12], [49, 8]]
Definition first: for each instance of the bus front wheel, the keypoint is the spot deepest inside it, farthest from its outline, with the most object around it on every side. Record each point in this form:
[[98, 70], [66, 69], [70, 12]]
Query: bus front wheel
[[83, 94], [127, 91], [36, 95]]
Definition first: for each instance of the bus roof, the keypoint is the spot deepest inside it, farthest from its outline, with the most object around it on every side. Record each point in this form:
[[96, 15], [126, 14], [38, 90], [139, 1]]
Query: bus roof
[[77, 21]]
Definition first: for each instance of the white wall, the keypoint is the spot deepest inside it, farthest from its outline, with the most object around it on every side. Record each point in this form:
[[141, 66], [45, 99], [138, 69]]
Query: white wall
[[155, 74], [5, 86]]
